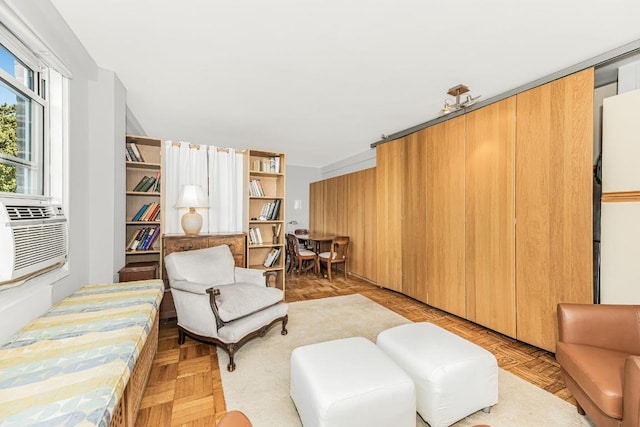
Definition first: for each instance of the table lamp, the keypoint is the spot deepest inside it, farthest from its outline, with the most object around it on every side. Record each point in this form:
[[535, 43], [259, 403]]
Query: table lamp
[[192, 197]]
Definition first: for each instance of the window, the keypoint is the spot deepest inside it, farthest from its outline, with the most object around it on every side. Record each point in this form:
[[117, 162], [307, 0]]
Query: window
[[23, 110]]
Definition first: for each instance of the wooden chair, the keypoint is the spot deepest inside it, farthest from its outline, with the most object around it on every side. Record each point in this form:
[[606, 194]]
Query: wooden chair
[[301, 257], [302, 231], [337, 254]]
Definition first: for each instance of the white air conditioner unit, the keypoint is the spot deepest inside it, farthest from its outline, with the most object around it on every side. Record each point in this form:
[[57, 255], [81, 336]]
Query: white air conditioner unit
[[33, 237]]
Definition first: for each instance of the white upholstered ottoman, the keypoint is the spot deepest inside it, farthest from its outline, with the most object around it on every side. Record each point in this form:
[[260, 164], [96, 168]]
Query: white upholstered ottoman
[[350, 382], [454, 377]]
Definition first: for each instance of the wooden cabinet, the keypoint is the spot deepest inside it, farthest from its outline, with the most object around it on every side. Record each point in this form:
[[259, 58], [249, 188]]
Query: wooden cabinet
[[490, 216], [389, 159], [360, 210], [266, 169], [414, 212], [150, 151], [445, 216], [487, 215], [179, 243], [553, 203]]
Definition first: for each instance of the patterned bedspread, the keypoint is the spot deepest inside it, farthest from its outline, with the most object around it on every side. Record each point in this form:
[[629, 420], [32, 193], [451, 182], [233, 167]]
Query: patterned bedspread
[[70, 366]]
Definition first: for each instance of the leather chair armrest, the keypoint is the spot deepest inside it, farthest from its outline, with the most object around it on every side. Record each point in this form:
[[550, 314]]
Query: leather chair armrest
[[234, 419], [631, 392], [600, 325]]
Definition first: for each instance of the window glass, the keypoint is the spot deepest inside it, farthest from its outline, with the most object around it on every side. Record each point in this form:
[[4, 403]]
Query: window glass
[[16, 68], [22, 116]]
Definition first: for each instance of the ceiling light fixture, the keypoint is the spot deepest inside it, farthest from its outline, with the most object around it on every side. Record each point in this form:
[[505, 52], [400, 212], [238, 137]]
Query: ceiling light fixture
[[450, 106]]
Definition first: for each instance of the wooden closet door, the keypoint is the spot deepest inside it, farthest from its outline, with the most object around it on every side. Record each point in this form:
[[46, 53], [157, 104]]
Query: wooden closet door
[[316, 207], [331, 206], [361, 223], [490, 216], [370, 227], [554, 149], [355, 219], [389, 214], [445, 216], [414, 225]]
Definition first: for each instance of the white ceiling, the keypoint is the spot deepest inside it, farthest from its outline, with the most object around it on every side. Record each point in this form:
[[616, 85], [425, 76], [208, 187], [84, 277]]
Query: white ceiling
[[323, 79]]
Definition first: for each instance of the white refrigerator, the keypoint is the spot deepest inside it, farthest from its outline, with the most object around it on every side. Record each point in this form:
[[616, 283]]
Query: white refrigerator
[[620, 220]]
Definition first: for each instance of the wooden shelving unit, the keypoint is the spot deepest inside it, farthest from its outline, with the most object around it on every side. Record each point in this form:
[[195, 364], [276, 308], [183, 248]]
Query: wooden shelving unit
[[267, 168], [150, 151]]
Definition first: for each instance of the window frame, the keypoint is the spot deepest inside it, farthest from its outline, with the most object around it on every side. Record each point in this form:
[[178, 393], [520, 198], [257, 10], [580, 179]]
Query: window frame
[[39, 121]]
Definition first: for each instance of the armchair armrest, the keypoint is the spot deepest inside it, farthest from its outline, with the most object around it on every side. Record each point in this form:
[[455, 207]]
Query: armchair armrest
[[631, 392], [249, 275], [255, 276], [191, 287], [610, 326]]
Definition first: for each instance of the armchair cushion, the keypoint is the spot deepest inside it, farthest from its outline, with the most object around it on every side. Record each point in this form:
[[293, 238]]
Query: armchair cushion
[[214, 266], [241, 299]]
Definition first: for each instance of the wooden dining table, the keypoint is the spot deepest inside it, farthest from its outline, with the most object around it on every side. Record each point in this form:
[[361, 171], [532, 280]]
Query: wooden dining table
[[317, 238]]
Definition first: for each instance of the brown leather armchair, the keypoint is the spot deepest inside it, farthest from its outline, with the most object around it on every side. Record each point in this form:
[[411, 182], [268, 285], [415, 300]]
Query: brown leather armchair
[[599, 355]]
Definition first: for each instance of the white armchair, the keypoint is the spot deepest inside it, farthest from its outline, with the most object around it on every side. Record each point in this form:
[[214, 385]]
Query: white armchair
[[219, 303]]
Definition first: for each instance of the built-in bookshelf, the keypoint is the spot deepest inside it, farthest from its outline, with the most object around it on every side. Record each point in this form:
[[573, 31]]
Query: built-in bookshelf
[[143, 205], [265, 202]]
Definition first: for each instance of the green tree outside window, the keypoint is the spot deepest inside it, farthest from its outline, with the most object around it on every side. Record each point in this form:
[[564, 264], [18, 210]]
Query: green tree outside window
[[8, 145]]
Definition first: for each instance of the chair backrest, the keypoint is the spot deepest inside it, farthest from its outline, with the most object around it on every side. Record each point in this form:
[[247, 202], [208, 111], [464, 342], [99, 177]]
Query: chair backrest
[[214, 266], [339, 246], [292, 244], [300, 231]]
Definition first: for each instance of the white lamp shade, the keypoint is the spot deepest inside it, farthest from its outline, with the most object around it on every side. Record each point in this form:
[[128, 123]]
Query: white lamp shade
[[192, 196]]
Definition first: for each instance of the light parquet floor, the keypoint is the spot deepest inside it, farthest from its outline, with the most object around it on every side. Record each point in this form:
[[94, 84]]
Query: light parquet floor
[[185, 387]]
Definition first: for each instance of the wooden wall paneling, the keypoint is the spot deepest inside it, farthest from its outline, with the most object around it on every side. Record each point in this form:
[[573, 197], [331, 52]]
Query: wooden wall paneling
[[414, 226], [389, 214], [370, 225], [446, 215], [355, 221], [490, 216], [331, 206], [316, 207], [553, 203], [342, 208]]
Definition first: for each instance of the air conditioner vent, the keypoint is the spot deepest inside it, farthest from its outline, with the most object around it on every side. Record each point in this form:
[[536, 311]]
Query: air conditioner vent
[[17, 213], [33, 238]]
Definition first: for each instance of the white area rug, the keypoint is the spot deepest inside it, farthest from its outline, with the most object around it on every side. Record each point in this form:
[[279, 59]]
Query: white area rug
[[260, 384]]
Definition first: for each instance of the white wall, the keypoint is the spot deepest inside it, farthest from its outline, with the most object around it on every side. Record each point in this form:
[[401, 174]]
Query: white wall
[[107, 242], [364, 160], [298, 180], [599, 95], [629, 77], [88, 244]]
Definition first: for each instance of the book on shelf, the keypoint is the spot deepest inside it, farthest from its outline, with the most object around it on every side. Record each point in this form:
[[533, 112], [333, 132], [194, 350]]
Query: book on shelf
[[137, 156], [127, 155], [255, 188], [140, 212], [156, 185], [258, 235], [141, 183], [270, 164], [275, 212], [148, 184], [272, 257], [150, 237]]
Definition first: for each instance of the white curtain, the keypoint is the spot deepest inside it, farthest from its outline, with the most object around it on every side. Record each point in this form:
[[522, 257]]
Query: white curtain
[[185, 164], [226, 177]]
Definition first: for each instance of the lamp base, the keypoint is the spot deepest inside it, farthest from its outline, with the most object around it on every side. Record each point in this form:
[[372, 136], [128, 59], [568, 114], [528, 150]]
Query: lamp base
[[191, 222]]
